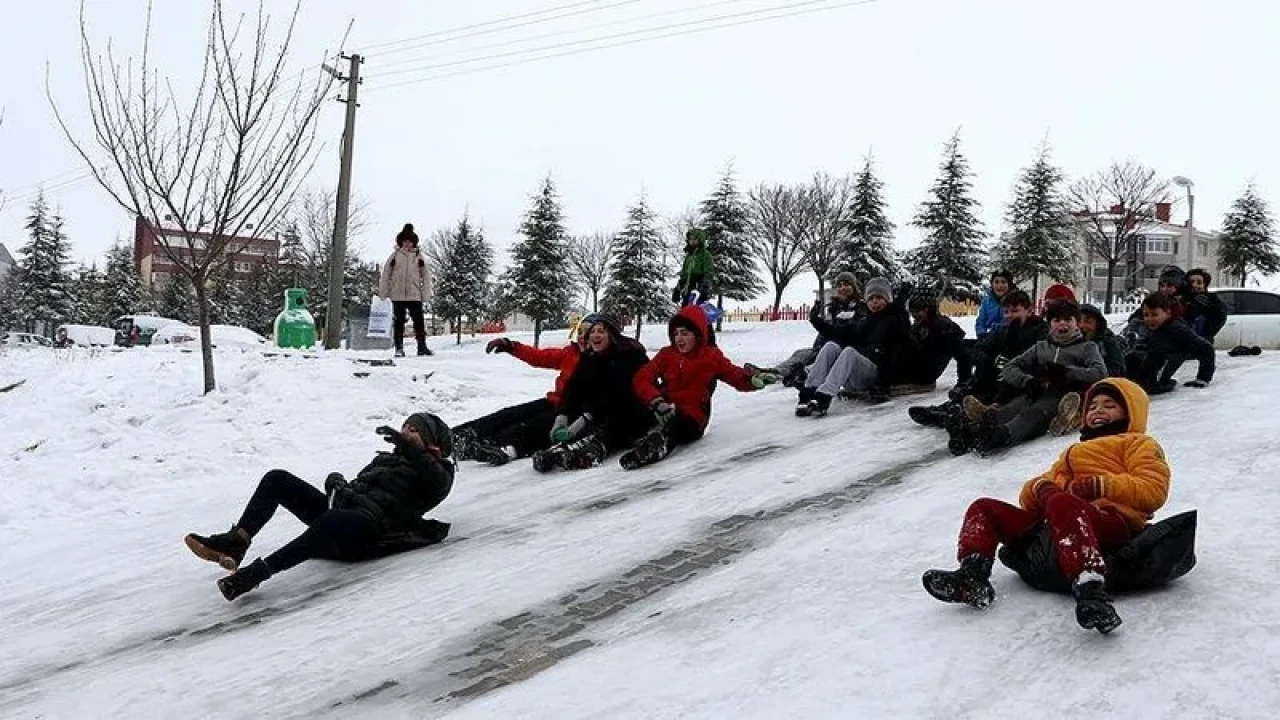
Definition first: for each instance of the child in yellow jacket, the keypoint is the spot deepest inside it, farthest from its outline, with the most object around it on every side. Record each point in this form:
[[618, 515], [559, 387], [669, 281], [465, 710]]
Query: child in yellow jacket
[[1099, 493]]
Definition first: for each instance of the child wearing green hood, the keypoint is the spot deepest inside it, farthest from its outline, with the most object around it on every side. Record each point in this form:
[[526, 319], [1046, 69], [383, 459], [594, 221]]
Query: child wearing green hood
[[695, 273]]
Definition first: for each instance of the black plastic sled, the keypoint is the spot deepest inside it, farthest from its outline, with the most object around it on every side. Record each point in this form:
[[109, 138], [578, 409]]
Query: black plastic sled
[[1160, 553], [425, 532]]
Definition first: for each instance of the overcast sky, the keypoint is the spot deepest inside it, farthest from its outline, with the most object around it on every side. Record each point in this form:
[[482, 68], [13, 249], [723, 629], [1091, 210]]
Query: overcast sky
[[1186, 86]]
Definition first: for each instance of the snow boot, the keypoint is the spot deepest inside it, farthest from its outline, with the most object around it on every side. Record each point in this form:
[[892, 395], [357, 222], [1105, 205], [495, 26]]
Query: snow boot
[[1094, 610], [489, 453], [970, 584], [544, 461], [227, 549], [795, 378], [992, 439], [462, 441], [930, 415], [1068, 415], [820, 404], [651, 448], [585, 453], [960, 437], [1162, 387], [974, 409], [399, 352], [244, 579], [803, 403]]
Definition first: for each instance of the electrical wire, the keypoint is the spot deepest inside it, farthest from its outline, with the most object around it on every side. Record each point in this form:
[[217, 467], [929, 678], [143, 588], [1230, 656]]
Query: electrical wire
[[496, 25], [752, 17], [687, 10]]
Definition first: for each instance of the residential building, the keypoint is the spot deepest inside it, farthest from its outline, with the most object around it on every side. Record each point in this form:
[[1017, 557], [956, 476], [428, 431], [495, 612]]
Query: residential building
[[1157, 244], [7, 262], [155, 266]]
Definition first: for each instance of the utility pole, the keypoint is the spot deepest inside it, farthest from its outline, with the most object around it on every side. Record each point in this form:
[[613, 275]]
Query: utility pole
[[338, 251]]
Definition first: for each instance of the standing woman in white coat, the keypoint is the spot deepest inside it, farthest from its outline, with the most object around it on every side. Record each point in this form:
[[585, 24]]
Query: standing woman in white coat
[[406, 280]]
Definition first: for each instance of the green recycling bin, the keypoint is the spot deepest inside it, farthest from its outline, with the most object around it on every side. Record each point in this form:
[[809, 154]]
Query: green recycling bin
[[295, 328]]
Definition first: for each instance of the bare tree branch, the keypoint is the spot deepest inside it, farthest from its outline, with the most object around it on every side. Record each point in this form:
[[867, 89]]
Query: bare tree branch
[[589, 259], [827, 202], [777, 221], [212, 175], [1111, 208]]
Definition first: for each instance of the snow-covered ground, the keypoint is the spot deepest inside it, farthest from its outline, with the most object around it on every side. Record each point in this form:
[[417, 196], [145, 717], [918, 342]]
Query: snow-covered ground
[[770, 571]]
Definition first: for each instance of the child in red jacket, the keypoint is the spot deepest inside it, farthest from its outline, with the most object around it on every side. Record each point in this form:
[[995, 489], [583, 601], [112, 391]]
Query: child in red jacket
[[677, 384]]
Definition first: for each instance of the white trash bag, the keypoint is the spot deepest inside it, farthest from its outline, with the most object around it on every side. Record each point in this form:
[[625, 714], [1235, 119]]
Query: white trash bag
[[379, 318]]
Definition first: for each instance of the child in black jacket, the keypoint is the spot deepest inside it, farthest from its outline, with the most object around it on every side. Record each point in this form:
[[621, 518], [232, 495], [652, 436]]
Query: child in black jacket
[[1170, 342]]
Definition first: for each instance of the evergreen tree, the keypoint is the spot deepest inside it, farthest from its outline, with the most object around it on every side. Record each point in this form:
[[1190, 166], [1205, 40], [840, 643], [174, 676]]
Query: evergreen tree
[[1042, 235], [724, 217], [636, 282], [462, 287], [88, 294], [225, 295], [122, 292], [9, 314], [1248, 237], [952, 253], [262, 298], [177, 299], [539, 263], [868, 250], [43, 292]]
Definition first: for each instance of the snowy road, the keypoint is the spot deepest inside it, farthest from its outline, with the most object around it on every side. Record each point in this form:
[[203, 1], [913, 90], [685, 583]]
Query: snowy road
[[771, 571]]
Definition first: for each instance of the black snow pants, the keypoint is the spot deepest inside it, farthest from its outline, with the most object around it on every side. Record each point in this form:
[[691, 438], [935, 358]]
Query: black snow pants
[[1026, 418], [329, 531], [525, 427], [414, 309]]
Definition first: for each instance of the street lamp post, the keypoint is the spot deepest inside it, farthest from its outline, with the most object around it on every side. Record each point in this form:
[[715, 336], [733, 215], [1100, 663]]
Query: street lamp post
[[1185, 183]]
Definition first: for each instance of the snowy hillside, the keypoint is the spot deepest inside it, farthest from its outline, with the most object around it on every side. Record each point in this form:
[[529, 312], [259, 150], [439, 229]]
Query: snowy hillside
[[773, 570]]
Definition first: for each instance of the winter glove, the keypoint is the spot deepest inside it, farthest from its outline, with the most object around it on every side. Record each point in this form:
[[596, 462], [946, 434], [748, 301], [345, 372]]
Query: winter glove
[[333, 484], [663, 411], [761, 379], [499, 345], [390, 435], [1001, 361], [1197, 383], [560, 430], [1089, 488], [1043, 490]]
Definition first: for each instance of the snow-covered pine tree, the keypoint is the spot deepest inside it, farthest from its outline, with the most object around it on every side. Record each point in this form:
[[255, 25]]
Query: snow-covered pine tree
[[9, 314], [262, 297], [537, 280], [122, 292], [88, 296], [225, 295], [724, 217], [177, 299], [1248, 237], [636, 286], [868, 249], [43, 281], [462, 288], [951, 255], [1042, 234]]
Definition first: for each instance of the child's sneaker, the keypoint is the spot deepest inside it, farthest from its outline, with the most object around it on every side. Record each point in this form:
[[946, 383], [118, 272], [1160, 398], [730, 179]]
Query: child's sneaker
[[488, 453], [545, 461], [820, 404], [970, 584], [803, 402], [585, 453], [1068, 416], [227, 549]]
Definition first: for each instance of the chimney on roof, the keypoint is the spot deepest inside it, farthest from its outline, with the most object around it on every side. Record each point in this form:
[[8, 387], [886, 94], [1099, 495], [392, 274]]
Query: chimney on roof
[[1163, 210]]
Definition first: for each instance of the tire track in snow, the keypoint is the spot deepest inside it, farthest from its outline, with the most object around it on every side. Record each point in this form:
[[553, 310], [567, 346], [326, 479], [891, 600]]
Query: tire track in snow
[[516, 648]]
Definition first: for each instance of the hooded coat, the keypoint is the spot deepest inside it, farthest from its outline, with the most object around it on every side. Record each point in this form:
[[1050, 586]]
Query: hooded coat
[[990, 314], [405, 277], [695, 272], [1205, 314], [1081, 359], [1131, 464], [564, 359], [601, 384], [927, 350], [1113, 346], [398, 488], [688, 380]]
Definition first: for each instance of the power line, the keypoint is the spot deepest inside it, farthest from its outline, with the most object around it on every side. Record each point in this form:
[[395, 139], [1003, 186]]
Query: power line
[[567, 31], [504, 23], [748, 18]]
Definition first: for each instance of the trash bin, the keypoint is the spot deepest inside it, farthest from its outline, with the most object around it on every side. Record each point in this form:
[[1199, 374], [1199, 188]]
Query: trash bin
[[295, 328]]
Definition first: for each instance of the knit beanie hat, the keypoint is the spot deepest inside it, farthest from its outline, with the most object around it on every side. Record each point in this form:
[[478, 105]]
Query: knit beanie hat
[[923, 299], [1173, 275], [848, 278], [1059, 292], [879, 287], [433, 430], [407, 234]]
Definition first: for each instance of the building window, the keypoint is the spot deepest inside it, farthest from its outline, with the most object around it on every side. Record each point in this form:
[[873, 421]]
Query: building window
[[1100, 270], [1202, 248], [1151, 244]]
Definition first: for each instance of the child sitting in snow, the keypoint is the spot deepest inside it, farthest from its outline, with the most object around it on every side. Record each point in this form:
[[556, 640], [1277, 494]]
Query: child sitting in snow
[[1099, 493], [677, 385], [1061, 366], [1170, 342], [378, 513]]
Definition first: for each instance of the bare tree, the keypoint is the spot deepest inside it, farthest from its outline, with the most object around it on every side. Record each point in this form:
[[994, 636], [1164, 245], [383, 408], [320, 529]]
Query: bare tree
[[777, 222], [438, 250], [673, 232], [1111, 207], [205, 172], [314, 212], [827, 202], [589, 259]]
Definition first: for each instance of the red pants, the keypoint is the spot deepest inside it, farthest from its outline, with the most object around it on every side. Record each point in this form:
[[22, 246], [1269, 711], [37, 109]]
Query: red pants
[[1081, 531]]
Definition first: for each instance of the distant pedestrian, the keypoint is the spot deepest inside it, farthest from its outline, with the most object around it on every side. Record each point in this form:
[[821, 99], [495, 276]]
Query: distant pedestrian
[[406, 281]]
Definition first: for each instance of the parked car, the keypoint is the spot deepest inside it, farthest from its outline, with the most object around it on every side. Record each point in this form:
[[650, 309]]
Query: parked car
[[1253, 318], [87, 335], [14, 339], [223, 336], [138, 329]]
